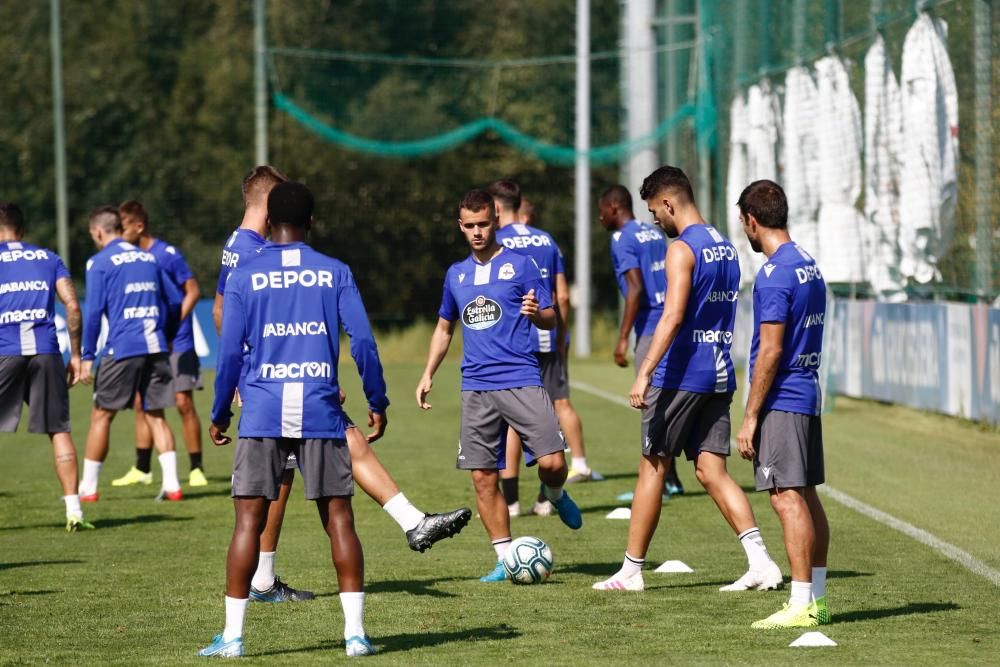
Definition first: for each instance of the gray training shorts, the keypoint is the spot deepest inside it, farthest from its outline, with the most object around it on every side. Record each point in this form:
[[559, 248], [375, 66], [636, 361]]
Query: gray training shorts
[[259, 463], [39, 380], [789, 450], [186, 368], [486, 416], [118, 380], [291, 463], [555, 376], [642, 344], [678, 420]]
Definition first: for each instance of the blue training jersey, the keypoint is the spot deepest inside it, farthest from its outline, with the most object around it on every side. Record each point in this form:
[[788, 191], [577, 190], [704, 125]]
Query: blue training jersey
[[496, 338], [28, 276], [287, 307], [176, 270], [542, 248], [125, 284], [639, 245], [698, 360], [242, 244], [791, 290]]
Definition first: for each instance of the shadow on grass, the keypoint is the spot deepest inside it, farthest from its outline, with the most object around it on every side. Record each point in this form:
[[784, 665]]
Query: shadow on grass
[[905, 610], [409, 641], [411, 586], [33, 563], [141, 519], [208, 493]]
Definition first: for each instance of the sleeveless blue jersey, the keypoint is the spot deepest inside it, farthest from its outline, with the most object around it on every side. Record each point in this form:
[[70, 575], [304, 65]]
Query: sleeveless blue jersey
[[497, 340], [698, 360], [126, 285], [790, 289], [287, 308], [638, 245], [28, 276], [176, 270], [542, 248], [242, 244]]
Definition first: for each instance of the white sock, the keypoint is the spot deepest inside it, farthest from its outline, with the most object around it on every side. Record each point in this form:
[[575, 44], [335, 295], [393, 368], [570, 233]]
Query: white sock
[[801, 593], [501, 546], [354, 614], [91, 471], [819, 582], [753, 545], [263, 578], [236, 610], [630, 567], [403, 512], [168, 465], [579, 463], [553, 493], [72, 505]]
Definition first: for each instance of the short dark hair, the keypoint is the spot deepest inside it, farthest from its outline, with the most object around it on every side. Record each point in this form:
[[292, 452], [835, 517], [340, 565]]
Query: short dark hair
[[107, 218], [12, 217], [617, 194], [133, 209], [476, 201], [290, 203], [666, 178], [259, 182], [765, 201], [507, 193]]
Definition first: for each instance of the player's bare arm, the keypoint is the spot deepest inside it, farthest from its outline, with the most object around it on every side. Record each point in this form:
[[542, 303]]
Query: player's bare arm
[[74, 324], [772, 336], [217, 313], [680, 267], [191, 295], [634, 291], [561, 298], [544, 318], [440, 342]]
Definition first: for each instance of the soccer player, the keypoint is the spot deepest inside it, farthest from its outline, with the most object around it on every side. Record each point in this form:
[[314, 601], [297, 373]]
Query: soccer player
[[498, 294], [781, 431], [421, 530], [287, 308], [688, 364], [31, 367], [550, 347], [637, 252], [124, 284], [183, 360]]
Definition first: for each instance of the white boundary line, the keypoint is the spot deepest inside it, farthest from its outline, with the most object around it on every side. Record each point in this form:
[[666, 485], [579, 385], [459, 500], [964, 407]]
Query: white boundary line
[[946, 549]]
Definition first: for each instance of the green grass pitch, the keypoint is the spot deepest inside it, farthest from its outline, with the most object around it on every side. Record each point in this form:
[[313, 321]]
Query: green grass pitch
[[147, 586]]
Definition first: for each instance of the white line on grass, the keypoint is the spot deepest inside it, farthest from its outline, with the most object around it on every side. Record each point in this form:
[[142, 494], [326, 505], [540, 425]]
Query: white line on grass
[[960, 556]]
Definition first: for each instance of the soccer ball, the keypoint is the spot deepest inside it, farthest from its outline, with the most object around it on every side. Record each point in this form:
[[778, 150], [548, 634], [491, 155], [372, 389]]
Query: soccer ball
[[528, 561]]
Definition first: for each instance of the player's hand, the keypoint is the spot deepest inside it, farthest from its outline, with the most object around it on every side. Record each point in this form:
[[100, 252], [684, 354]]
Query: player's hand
[[529, 305], [621, 352], [423, 389], [637, 395], [378, 421], [86, 376], [217, 432], [73, 370], [343, 396], [744, 439]]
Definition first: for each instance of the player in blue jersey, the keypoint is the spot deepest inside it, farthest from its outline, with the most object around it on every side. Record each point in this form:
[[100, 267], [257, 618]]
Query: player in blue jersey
[[183, 359], [638, 250], [500, 296], [686, 382], [551, 347], [781, 431], [286, 308], [422, 530], [125, 285], [31, 366]]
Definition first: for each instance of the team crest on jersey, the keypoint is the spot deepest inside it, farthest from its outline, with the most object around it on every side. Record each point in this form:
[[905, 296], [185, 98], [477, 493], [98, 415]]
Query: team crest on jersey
[[481, 313], [506, 271]]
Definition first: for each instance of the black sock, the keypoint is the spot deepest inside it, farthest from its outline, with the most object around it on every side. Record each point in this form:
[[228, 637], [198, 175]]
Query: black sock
[[195, 461], [510, 490], [143, 458]]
